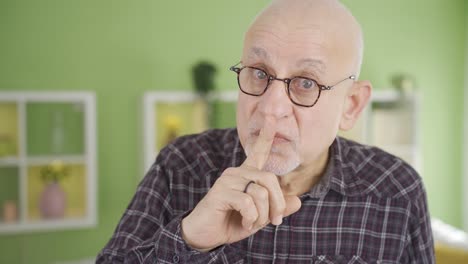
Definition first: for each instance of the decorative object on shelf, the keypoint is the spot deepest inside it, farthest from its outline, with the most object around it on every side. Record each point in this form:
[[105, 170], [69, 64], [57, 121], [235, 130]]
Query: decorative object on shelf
[[173, 125], [58, 134], [203, 78], [53, 199], [10, 211], [403, 82]]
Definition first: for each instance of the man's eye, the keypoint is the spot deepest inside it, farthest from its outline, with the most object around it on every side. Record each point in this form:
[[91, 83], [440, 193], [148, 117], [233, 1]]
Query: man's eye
[[307, 84], [260, 74]]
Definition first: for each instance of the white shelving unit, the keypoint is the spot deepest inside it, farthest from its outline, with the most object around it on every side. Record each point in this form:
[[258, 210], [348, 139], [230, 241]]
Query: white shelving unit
[[28, 112], [152, 114], [391, 122]]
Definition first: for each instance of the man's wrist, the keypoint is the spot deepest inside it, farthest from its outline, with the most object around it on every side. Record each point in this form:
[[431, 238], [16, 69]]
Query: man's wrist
[[188, 241]]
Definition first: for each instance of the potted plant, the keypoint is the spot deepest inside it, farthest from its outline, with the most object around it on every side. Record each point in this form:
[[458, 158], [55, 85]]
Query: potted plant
[[203, 77], [203, 74], [52, 202]]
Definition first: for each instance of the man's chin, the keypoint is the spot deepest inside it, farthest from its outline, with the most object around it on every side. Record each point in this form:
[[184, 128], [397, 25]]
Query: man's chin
[[280, 167]]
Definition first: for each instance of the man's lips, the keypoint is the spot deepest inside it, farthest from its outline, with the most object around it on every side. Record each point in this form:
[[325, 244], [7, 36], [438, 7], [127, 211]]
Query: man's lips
[[279, 137]]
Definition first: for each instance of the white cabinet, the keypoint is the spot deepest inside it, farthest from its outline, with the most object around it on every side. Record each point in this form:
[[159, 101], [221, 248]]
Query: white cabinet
[[47, 161], [391, 122], [167, 115]]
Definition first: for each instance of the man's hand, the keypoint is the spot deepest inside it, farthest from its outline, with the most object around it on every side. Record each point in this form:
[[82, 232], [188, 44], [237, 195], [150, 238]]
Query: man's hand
[[226, 214]]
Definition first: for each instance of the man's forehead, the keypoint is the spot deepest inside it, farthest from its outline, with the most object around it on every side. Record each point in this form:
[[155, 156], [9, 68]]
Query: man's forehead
[[324, 30], [257, 52]]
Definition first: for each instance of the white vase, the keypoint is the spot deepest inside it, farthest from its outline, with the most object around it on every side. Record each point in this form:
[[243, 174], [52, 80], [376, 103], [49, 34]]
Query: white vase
[[53, 201]]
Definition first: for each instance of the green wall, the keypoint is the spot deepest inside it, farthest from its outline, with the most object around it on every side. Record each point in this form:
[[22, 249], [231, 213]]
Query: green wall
[[427, 40], [465, 131], [119, 49]]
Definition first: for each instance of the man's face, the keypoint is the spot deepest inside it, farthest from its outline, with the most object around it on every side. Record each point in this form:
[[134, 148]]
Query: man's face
[[284, 50]]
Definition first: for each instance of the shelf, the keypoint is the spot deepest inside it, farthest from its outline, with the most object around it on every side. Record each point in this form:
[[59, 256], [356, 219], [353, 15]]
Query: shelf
[[36, 130], [169, 114], [174, 119], [9, 161], [32, 226], [391, 122], [42, 160], [389, 95]]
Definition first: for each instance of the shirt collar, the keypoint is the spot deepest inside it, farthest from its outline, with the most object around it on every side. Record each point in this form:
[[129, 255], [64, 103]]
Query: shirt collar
[[342, 176], [339, 174]]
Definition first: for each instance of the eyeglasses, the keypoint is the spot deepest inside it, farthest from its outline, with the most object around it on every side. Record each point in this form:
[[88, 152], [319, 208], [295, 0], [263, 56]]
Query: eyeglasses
[[302, 91]]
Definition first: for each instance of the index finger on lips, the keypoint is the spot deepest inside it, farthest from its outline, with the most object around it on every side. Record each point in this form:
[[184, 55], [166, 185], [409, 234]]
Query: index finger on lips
[[261, 149], [257, 158]]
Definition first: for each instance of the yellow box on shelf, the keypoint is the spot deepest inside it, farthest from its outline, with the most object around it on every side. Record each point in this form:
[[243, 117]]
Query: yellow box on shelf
[[8, 130]]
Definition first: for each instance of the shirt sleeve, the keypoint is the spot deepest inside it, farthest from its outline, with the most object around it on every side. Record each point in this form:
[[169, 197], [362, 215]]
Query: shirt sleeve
[[148, 232], [420, 241]]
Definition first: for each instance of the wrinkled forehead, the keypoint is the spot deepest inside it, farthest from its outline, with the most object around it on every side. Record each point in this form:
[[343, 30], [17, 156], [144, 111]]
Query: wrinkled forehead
[[284, 44], [313, 33], [303, 60]]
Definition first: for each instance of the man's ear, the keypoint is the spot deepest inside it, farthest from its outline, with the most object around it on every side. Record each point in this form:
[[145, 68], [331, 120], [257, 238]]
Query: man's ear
[[355, 101]]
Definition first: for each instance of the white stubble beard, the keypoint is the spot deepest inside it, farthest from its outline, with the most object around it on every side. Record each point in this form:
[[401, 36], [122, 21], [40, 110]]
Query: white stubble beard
[[279, 162]]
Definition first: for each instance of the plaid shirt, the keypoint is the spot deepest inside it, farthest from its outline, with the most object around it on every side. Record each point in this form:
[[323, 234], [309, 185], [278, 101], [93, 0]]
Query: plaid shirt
[[369, 207]]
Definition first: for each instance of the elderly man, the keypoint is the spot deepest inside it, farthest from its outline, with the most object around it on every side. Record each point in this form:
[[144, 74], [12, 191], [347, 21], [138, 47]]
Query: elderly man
[[282, 187]]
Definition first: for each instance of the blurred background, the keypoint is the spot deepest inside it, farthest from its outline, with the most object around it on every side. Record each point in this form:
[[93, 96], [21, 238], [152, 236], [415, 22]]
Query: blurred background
[[90, 90]]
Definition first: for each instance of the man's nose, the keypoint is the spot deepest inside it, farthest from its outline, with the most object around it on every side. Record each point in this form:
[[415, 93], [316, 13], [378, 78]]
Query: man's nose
[[275, 101]]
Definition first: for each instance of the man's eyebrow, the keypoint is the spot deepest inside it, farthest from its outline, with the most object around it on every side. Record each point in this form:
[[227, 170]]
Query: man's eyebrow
[[258, 52], [313, 63]]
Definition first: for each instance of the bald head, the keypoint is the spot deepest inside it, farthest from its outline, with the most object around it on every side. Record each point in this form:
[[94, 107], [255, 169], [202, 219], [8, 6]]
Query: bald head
[[329, 21]]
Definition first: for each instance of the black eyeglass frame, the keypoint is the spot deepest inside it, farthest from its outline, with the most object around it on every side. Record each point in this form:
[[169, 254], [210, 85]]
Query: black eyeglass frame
[[287, 81]]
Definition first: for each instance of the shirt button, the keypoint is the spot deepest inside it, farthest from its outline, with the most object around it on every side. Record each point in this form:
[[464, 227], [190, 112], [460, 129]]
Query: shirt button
[[175, 259]]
